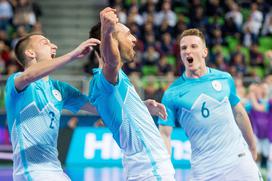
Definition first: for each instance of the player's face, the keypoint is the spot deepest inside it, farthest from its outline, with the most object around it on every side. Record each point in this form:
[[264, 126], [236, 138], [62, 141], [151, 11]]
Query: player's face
[[43, 48], [193, 53], [126, 43]]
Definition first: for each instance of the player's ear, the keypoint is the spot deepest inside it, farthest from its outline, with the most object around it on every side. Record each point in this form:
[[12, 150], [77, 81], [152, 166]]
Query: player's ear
[[30, 53], [205, 52]]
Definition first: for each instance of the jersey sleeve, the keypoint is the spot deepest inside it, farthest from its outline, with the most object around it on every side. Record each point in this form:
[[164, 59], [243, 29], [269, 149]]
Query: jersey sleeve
[[99, 85], [73, 99], [233, 97], [170, 121], [10, 86]]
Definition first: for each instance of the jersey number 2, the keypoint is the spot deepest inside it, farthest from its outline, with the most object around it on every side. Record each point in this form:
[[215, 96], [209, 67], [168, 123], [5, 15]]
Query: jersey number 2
[[52, 116], [205, 111]]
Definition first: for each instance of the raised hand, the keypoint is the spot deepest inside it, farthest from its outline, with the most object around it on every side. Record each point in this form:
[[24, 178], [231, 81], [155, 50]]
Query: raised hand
[[108, 20], [84, 48], [155, 108], [109, 44]]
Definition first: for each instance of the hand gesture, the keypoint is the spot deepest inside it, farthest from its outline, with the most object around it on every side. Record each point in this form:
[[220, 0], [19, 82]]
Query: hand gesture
[[108, 20], [84, 48], [109, 44], [155, 108]]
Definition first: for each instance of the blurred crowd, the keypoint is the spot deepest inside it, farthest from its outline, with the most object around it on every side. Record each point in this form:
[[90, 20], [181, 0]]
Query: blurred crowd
[[17, 18], [238, 35]]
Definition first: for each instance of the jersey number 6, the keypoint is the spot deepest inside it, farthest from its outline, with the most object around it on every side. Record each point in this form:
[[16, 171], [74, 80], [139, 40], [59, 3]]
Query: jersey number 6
[[205, 111]]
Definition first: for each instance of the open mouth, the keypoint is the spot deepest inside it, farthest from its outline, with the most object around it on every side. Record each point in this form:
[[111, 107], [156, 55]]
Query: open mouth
[[53, 55], [190, 59]]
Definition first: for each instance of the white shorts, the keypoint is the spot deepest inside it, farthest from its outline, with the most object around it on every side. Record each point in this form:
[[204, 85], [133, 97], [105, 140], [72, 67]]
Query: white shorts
[[138, 168], [43, 176], [245, 170]]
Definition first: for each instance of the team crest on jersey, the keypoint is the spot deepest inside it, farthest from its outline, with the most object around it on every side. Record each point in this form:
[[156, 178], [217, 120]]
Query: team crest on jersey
[[57, 94], [217, 85]]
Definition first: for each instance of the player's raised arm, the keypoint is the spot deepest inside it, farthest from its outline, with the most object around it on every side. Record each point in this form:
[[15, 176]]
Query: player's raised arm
[[109, 44]]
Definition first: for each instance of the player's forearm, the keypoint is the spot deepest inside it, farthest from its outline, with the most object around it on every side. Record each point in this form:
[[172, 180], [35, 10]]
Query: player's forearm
[[110, 49], [111, 55], [40, 70], [167, 142], [165, 132], [244, 124]]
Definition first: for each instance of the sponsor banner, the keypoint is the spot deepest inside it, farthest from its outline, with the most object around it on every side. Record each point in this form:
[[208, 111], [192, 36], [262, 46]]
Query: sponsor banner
[[96, 147]]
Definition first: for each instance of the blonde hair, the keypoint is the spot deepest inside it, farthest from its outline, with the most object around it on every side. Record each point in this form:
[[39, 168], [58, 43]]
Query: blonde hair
[[193, 32]]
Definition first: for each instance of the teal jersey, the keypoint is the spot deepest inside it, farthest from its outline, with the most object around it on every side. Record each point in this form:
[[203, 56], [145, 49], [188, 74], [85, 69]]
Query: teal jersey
[[203, 108], [33, 120], [132, 126]]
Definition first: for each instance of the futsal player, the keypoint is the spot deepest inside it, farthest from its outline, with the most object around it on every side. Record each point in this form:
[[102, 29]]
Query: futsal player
[[144, 154], [204, 102], [34, 103]]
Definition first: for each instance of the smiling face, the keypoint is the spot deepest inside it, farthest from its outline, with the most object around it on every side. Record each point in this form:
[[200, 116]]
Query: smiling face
[[42, 48], [34, 48], [193, 52], [126, 43]]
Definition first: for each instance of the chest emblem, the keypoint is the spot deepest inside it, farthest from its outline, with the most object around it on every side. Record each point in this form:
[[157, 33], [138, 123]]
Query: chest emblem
[[57, 94], [217, 85]]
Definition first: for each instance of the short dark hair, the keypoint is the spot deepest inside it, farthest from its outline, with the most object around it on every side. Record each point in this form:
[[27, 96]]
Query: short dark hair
[[193, 32], [21, 46], [95, 32]]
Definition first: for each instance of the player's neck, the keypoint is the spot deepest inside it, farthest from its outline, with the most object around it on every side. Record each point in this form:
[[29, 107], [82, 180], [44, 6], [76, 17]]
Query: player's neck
[[197, 73]]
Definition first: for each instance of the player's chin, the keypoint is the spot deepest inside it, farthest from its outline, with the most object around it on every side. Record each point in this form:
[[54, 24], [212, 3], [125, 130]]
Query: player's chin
[[190, 67], [129, 58]]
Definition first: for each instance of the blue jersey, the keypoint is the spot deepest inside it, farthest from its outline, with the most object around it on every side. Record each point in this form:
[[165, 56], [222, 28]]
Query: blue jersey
[[33, 121], [131, 124], [203, 108]]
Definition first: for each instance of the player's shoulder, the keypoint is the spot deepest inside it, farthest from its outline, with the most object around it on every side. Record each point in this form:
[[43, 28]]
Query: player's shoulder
[[12, 76], [175, 86], [215, 73], [99, 71], [11, 80]]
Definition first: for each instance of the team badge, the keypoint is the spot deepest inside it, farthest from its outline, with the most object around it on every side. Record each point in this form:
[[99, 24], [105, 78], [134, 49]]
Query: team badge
[[217, 85], [57, 94]]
